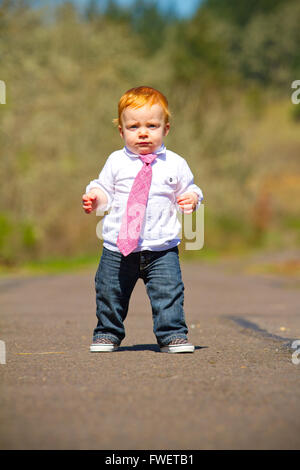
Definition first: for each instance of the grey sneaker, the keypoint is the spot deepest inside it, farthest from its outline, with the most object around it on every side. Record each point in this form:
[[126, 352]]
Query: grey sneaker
[[178, 345], [103, 345]]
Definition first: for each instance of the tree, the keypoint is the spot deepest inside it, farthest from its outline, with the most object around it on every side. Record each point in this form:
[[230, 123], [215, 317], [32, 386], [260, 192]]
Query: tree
[[242, 11]]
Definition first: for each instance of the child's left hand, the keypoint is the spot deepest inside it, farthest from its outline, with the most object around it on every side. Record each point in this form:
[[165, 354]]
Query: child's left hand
[[187, 202]]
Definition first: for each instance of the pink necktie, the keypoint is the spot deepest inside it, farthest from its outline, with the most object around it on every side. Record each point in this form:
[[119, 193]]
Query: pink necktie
[[136, 205]]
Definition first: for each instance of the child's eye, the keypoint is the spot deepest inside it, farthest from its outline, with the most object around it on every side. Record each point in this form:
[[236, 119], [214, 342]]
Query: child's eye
[[133, 127], [152, 126]]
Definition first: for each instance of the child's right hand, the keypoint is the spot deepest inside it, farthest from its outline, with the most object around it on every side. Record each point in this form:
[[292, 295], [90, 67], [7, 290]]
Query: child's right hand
[[89, 202]]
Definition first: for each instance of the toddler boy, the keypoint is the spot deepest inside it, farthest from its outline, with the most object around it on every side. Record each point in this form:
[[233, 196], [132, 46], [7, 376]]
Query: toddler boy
[[142, 186]]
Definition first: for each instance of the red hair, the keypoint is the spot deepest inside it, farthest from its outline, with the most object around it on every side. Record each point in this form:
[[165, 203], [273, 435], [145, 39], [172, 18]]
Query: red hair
[[140, 96]]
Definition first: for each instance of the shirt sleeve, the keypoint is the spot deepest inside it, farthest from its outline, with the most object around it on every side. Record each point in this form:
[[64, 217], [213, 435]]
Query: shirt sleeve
[[105, 182], [186, 183]]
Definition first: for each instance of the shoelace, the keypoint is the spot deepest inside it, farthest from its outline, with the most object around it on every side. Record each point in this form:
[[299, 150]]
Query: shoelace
[[179, 341], [102, 341]]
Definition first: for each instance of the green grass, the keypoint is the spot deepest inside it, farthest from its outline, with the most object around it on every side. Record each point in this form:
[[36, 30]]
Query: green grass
[[89, 262], [51, 266], [60, 265]]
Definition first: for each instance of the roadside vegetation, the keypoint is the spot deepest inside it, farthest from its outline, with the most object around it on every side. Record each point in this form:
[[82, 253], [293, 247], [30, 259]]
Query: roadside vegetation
[[227, 73]]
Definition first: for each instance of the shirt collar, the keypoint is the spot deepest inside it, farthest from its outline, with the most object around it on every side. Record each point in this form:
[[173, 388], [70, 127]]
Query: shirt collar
[[161, 152]]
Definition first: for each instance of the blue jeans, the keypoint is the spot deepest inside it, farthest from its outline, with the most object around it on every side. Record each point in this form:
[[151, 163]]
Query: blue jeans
[[114, 282]]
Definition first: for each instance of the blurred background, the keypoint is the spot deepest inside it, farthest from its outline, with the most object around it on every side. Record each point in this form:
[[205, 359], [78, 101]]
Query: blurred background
[[226, 68]]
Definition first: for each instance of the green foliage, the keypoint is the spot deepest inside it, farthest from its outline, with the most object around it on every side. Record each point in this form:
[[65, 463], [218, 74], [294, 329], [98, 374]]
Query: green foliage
[[270, 52], [230, 41], [145, 20], [295, 112], [242, 11], [228, 87], [149, 24], [5, 230], [196, 50], [29, 235]]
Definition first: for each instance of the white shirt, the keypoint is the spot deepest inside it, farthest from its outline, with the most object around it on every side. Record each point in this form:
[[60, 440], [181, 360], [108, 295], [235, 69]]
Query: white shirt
[[171, 176]]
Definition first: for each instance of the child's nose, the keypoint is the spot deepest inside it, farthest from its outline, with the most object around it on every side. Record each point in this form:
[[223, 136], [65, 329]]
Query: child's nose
[[143, 132]]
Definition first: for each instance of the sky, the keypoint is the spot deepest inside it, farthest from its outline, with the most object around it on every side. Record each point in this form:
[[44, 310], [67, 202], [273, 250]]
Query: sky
[[183, 8]]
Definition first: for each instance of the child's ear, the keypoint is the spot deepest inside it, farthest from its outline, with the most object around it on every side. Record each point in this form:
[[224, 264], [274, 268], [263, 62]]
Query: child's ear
[[121, 131], [167, 128]]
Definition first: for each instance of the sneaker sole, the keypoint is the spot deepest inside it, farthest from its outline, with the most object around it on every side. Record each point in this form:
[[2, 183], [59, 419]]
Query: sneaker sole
[[178, 348], [103, 347]]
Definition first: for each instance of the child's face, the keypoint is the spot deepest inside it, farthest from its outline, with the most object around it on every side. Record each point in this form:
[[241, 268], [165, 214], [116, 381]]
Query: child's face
[[143, 129]]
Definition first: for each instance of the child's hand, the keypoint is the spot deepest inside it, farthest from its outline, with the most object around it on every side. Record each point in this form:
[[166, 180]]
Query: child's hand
[[187, 202], [89, 202]]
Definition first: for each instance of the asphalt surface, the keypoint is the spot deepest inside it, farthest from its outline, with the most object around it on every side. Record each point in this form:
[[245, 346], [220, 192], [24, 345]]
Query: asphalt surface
[[239, 390]]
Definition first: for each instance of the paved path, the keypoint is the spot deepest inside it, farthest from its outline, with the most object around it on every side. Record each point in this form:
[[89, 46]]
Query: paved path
[[239, 390]]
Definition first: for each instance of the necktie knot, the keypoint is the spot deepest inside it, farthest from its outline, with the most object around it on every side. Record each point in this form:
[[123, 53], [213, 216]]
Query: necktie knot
[[148, 158]]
